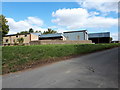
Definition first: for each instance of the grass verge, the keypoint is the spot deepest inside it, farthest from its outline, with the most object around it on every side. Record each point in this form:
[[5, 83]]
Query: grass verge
[[16, 58]]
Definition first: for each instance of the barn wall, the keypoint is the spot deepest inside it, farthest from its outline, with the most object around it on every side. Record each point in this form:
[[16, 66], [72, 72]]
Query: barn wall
[[75, 36]]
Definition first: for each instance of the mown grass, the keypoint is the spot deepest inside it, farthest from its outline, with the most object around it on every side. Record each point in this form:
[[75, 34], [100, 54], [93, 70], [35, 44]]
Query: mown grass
[[15, 58]]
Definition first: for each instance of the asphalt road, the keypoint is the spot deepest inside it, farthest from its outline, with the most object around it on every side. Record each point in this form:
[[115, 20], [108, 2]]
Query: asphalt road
[[96, 70]]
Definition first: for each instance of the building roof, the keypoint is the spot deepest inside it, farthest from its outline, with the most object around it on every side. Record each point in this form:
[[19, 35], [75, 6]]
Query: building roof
[[75, 31], [23, 34], [36, 33], [16, 34], [51, 35], [102, 34]]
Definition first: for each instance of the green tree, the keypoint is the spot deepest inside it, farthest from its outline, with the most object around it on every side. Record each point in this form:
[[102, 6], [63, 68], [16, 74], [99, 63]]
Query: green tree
[[49, 31], [20, 40], [4, 28], [37, 31], [23, 32], [31, 30]]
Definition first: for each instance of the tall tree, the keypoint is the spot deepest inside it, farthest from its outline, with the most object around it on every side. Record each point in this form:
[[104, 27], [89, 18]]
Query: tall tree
[[4, 28], [37, 31], [31, 30], [23, 32], [49, 31]]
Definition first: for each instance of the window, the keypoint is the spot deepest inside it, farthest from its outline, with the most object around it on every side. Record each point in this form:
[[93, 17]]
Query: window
[[6, 40], [25, 35], [17, 36], [14, 40]]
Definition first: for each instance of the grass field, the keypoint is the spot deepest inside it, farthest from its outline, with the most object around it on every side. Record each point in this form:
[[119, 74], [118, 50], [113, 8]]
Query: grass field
[[16, 58]]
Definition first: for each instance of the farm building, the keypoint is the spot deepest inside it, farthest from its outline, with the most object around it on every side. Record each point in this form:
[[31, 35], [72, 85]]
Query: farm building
[[13, 38], [115, 41], [76, 35], [103, 37], [56, 36], [71, 35]]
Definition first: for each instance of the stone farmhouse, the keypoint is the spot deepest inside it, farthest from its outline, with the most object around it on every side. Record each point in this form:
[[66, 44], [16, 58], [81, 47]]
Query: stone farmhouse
[[11, 39]]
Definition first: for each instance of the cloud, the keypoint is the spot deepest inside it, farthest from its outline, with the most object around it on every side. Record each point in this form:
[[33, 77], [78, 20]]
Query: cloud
[[53, 27], [70, 17], [23, 25], [35, 21], [101, 5], [76, 18], [115, 36], [93, 13]]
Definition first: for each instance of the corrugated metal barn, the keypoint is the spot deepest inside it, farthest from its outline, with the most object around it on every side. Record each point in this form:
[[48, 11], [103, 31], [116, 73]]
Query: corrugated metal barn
[[103, 37], [76, 35], [70, 35], [58, 36]]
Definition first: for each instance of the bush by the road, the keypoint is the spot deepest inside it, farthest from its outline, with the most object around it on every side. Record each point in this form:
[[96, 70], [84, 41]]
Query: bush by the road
[[16, 58]]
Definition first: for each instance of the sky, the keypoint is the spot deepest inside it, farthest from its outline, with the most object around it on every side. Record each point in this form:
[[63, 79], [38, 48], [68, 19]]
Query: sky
[[62, 16]]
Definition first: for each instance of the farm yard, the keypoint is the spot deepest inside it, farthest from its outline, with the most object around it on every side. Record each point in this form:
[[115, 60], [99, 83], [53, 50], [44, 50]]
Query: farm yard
[[17, 58]]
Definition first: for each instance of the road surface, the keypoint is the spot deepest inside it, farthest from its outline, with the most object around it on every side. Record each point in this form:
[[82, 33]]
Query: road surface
[[96, 70]]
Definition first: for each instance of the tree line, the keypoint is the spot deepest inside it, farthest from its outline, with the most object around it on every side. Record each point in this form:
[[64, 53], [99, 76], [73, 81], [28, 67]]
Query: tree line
[[49, 31]]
